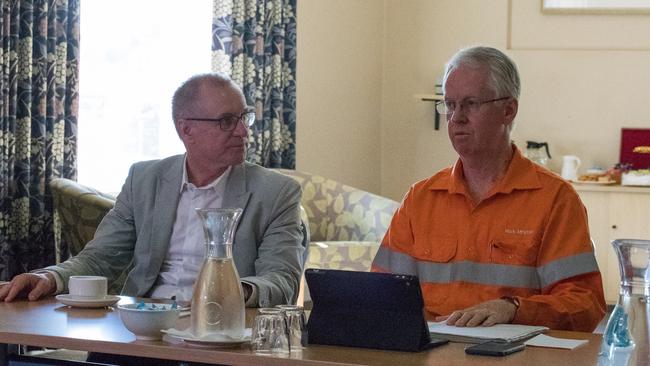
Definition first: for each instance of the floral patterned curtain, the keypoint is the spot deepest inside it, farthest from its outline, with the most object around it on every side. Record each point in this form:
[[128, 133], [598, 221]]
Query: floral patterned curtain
[[254, 41], [39, 62]]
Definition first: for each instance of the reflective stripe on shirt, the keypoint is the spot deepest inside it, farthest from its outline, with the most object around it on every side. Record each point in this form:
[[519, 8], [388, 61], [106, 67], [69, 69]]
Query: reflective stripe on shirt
[[487, 273]]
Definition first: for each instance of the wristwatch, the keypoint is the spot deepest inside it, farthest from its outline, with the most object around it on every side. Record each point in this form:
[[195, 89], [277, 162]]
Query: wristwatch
[[513, 300]]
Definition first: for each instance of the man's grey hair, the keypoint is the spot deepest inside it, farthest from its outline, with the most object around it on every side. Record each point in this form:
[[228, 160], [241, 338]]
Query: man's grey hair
[[503, 76], [186, 97]]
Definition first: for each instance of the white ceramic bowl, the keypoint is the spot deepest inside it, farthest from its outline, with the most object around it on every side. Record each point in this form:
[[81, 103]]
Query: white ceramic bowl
[[146, 323]]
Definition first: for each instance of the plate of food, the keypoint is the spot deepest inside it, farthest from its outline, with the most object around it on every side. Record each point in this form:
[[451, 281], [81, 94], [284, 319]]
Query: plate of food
[[596, 179], [595, 182]]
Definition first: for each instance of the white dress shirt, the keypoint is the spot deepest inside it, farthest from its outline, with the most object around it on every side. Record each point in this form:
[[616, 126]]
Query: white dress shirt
[[187, 244], [182, 264]]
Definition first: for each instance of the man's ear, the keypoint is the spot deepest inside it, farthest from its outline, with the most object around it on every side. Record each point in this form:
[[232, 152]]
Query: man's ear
[[185, 130], [511, 106]]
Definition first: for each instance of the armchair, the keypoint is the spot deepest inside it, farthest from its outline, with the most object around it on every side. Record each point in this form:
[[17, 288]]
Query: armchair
[[80, 209]]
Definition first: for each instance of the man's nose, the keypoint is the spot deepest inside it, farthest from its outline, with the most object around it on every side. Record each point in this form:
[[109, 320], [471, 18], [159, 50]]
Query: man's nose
[[240, 129], [457, 115]]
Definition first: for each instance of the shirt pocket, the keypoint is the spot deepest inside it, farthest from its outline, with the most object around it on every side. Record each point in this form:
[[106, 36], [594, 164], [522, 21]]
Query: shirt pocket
[[514, 251], [439, 250]]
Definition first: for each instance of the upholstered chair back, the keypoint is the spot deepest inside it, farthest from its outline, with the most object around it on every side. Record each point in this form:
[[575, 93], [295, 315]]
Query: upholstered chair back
[[338, 212], [80, 210]]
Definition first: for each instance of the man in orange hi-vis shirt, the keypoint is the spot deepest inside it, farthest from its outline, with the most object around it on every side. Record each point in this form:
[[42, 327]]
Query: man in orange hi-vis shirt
[[495, 238]]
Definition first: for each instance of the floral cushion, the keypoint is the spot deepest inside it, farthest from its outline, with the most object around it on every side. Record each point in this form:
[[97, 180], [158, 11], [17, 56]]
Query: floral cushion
[[338, 212], [345, 255], [79, 209]]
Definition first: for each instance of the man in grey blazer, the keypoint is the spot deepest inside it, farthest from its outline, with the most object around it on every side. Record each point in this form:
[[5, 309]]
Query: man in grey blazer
[[153, 232]]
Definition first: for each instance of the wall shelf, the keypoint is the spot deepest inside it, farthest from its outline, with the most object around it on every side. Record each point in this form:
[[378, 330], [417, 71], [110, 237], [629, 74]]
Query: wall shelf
[[432, 98]]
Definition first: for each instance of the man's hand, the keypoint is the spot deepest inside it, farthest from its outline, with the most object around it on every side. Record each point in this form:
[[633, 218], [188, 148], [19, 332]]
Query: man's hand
[[484, 314], [31, 285]]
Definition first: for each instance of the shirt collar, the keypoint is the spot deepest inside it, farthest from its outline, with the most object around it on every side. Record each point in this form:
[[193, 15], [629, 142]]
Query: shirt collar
[[219, 181], [520, 174]]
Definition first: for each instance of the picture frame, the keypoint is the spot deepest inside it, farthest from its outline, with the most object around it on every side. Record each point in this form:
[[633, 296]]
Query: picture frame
[[616, 7]]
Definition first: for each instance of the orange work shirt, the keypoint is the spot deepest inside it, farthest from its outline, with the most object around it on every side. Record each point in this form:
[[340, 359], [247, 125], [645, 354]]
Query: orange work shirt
[[527, 239]]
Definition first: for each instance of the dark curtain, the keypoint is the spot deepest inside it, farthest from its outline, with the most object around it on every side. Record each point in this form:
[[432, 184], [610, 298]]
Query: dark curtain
[[38, 112], [254, 41]]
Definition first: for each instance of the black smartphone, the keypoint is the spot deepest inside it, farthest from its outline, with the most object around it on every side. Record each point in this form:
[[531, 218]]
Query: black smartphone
[[494, 348]]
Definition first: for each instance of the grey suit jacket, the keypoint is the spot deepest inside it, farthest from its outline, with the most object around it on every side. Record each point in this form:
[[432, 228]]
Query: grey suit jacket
[[135, 234]]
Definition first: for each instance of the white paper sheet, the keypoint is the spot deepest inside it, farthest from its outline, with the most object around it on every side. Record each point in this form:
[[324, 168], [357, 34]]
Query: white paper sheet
[[543, 340]]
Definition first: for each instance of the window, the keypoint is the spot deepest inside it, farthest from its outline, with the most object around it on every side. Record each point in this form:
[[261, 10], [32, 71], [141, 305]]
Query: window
[[134, 54]]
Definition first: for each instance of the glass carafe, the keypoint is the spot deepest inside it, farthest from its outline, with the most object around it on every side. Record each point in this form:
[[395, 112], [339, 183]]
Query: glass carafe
[[627, 335], [218, 299]]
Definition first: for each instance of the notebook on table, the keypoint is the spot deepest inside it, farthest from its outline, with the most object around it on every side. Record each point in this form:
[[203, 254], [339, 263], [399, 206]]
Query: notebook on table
[[497, 332], [367, 309]]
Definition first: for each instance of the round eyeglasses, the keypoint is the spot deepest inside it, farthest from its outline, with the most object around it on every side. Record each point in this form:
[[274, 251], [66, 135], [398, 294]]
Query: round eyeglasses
[[229, 122]]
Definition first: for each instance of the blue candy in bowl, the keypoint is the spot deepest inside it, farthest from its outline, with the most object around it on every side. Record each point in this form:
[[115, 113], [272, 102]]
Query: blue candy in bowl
[[145, 320]]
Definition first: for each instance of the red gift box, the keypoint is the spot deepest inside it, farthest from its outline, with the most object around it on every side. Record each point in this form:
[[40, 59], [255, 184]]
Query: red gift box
[[631, 138]]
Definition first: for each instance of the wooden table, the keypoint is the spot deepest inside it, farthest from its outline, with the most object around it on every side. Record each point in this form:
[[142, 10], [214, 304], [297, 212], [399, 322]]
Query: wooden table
[[47, 323]]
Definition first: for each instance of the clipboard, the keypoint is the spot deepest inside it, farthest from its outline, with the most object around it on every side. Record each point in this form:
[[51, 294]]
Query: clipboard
[[368, 310]]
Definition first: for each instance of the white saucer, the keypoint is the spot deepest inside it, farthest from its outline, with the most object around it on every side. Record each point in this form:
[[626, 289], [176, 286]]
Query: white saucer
[[87, 303], [212, 340]]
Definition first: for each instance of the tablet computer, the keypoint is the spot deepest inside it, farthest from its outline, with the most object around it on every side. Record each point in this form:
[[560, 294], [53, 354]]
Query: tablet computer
[[367, 309]]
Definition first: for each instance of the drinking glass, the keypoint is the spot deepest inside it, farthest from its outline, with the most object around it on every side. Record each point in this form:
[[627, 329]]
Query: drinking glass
[[295, 318], [270, 333]]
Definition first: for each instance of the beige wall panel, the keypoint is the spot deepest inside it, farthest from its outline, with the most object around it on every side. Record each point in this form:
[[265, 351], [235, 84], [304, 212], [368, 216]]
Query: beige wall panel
[[420, 35], [339, 90], [532, 29]]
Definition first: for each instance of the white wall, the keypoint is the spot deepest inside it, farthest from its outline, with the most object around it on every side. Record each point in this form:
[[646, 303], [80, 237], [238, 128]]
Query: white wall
[[339, 90], [420, 37]]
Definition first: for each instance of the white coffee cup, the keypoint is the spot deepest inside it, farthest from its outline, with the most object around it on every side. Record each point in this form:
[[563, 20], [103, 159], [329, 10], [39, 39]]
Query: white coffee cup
[[87, 287]]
